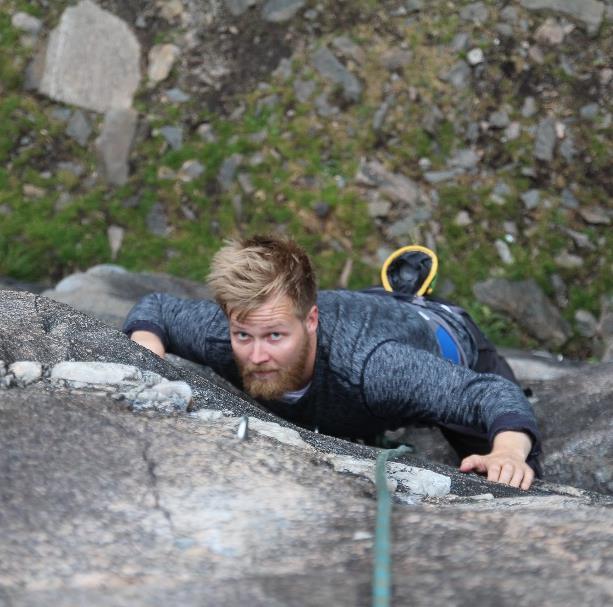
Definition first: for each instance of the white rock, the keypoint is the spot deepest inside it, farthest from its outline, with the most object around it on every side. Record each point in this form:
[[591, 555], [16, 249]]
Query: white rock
[[462, 219], [419, 481], [287, 436], [26, 23], [115, 235], [504, 252], [167, 390], [26, 371], [475, 56], [208, 415], [98, 373], [190, 170], [92, 60], [161, 59]]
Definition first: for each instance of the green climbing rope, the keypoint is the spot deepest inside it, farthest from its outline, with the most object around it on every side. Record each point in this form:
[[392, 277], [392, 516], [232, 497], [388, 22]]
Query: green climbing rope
[[382, 579]]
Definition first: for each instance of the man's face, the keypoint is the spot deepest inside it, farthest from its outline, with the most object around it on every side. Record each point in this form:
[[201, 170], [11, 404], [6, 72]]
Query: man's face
[[273, 348]]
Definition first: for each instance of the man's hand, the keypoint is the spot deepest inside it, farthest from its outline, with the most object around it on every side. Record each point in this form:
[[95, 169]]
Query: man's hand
[[507, 461], [149, 340]]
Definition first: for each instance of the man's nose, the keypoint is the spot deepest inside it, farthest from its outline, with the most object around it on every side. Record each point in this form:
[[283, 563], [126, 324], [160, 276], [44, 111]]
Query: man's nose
[[259, 353]]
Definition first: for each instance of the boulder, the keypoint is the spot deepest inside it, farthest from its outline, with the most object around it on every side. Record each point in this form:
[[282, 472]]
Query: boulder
[[588, 13], [526, 303], [106, 504], [92, 60], [108, 292]]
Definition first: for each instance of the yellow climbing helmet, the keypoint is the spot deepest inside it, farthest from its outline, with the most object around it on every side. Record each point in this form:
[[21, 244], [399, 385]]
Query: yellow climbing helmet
[[410, 270]]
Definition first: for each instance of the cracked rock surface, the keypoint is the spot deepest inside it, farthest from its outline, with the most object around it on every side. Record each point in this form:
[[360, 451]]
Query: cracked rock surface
[[106, 505]]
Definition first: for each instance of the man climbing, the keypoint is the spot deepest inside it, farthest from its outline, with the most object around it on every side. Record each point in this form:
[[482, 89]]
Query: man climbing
[[345, 363]]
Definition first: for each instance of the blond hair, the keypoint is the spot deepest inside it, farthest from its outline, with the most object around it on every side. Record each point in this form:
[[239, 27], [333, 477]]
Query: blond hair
[[246, 273]]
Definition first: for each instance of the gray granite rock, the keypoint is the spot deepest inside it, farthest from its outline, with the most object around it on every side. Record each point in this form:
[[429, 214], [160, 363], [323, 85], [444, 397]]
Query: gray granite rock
[[333, 70], [349, 49], [26, 23], [465, 159], [525, 302], [304, 89], [381, 113], [238, 7], [161, 59], [157, 220], [114, 144], [279, 11], [545, 140], [393, 186], [459, 75], [173, 136], [588, 13], [227, 171], [475, 11], [92, 60], [499, 119], [324, 108], [529, 107], [79, 127]]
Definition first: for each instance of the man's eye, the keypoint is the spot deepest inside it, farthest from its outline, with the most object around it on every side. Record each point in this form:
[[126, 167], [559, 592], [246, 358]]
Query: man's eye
[[275, 336], [241, 336]]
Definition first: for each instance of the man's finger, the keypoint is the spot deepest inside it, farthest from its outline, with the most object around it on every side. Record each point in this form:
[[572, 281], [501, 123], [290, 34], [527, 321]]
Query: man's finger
[[528, 478], [493, 472], [472, 462], [506, 474], [518, 475]]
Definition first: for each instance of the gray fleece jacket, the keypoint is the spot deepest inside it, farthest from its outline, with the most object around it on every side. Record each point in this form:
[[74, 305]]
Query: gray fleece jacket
[[377, 367]]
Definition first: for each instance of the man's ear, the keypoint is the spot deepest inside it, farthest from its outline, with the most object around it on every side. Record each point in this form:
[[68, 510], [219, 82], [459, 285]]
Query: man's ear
[[312, 319]]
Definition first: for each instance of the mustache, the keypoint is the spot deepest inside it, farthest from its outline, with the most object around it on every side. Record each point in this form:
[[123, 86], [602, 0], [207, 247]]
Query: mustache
[[249, 369]]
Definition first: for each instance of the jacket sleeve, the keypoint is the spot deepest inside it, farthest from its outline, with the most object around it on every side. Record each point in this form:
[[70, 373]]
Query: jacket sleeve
[[401, 383], [185, 326]]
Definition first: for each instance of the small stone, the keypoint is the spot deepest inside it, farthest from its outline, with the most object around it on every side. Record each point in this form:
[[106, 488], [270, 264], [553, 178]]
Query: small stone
[[207, 415], [171, 9], [589, 111], [176, 95], [227, 172], [79, 128], [244, 180], [499, 119], [156, 220], [238, 7], [536, 54], [279, 11], [74, 168], [379, 208], [330, 68], [475, 56], [550, 32], [460, 42], [545, 140], [206, 133], [595, 216], [115, 236], [304, 89], [32, 191], [161, 59], [509, 14], [440, 176], [349, 49], [569, 200], [505, 30], [513, 131], [62, 114], [568, 261], [529, 108], [462, 219], [114, 144], [605, 76], [504, 252], [173, 136], [531, 199], [458, 75], [324, 108], [26, 372], [190, 170], [26, 23], [381, 113], [396, 59], [465, 159], [269, 102], [165, 172], [476, 11], [283, 70]]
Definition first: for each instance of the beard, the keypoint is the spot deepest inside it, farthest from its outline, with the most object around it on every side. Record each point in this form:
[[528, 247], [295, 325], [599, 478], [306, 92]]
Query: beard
[[280, 381]]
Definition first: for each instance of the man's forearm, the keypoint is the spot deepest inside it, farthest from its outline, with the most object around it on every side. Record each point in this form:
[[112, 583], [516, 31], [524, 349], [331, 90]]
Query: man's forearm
[[150, 341], [512, 442]]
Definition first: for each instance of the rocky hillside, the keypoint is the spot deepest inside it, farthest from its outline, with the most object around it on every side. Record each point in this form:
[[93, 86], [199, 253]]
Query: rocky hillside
[[143, 133]]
